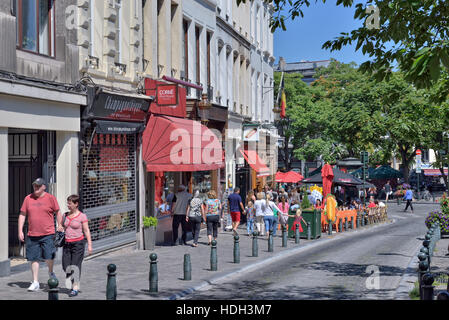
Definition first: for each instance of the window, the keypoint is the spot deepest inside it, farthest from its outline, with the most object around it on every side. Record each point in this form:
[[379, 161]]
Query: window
[[197, 54], [185, 49], [36, 26], [208, 39]]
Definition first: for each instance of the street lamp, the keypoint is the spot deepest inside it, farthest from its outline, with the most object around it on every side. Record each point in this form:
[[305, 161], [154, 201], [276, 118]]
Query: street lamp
[[204, 105]]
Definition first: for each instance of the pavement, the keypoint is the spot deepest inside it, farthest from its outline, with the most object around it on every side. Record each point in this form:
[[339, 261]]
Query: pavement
[[132, 273]]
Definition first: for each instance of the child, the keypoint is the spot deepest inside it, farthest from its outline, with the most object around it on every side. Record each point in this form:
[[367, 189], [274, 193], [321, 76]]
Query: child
[[250, 212], [298, 219]]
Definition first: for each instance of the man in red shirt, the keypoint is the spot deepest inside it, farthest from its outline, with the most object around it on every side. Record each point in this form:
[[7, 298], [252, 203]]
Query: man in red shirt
[[40, 208]]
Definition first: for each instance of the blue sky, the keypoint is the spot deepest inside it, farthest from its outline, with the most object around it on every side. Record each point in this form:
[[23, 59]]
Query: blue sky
[[304, 36]]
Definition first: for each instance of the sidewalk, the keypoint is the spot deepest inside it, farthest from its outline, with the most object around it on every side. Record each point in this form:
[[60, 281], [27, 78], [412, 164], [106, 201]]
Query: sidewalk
[[133, 268]]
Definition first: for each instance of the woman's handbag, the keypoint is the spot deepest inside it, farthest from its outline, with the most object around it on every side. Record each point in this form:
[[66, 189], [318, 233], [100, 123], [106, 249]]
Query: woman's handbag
[[60, 236], [59, 239]]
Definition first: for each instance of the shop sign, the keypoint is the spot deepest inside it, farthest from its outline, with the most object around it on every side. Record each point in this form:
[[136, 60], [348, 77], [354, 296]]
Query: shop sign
[[250, 134], [167, 94], [106, 105]]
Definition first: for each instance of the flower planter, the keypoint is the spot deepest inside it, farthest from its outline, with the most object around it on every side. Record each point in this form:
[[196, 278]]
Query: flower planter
[[149, 238]]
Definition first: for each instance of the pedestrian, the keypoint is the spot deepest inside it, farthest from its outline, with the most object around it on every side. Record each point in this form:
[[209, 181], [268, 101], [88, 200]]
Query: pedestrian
[[318, 204], [372, 193], [194, 215], [250, 217], [212, 215], [250, 197], [409, 198], [235, 204], [388, 190], [259, 206], [298, 219], [270, 216], [284, 209], [76, 226], [180, 202], [39, 207]]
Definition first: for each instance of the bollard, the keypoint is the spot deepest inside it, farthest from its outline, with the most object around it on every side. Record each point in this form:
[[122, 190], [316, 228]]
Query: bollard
[[352, 223], [284, 237], [236, 249], [111, 285], [270, 241], [358, 222], [426, 244], [187, 267], [297, 234], [340, 225], [423, 269], [255, 246], [443, 295], [427, 288], [330, 228], [53, 291], [346, 224], [213, 256], [309, 231], [153, 273]]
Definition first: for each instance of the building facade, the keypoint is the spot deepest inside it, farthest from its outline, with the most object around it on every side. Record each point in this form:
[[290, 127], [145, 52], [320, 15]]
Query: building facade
[[40, 106]]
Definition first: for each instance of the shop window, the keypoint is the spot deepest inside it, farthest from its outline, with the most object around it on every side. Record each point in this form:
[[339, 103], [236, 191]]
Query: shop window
[[36, 26]]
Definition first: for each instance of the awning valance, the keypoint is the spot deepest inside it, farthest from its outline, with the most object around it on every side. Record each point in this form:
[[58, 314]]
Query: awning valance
[[177, 144], [256, 162]]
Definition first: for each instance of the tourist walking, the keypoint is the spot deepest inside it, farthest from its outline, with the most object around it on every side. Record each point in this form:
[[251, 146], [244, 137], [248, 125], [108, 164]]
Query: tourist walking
[[39, 207], [409, 198], [194, 215], [269, 217], [259, 207], [76, 228], [180, 202], [284, 209], [235, 204], [388, 190], [250, 217], [212, 215]]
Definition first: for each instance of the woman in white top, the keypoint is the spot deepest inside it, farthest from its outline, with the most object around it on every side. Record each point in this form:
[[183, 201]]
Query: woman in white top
[[270, 219], [260, 205]]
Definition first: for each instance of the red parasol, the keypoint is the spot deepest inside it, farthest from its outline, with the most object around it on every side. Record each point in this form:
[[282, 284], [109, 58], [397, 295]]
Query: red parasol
[[328, 175], [288, 177]]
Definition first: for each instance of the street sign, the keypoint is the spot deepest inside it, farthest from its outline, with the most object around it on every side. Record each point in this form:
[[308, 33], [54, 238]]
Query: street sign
[[418, 152]]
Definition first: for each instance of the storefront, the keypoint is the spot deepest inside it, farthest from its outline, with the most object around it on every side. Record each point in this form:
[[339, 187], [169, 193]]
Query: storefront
[[109, 149], [39, 126], [175, 151]]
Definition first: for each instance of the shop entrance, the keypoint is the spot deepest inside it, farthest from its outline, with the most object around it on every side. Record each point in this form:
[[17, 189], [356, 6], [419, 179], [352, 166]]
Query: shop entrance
[[31, 154]]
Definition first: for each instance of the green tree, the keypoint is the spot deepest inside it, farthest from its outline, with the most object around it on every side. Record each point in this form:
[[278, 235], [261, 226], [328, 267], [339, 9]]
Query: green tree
[[418, 32]]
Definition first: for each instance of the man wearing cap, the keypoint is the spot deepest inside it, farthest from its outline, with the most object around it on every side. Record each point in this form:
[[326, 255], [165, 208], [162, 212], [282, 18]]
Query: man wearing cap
[[180, 202], [40, 208]]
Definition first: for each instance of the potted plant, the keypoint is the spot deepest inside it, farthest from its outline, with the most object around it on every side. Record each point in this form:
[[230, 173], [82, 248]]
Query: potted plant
[[149, 232], [440, 216]]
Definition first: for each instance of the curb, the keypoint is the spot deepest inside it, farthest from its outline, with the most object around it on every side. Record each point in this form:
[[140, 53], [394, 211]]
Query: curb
[[407, 282], [285, 254]]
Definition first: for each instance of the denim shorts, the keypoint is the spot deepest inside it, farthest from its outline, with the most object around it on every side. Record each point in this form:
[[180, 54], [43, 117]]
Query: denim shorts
[[40, 248]]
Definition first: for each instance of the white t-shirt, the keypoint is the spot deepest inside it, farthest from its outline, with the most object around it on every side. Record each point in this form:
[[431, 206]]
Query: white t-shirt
[[260, 206]]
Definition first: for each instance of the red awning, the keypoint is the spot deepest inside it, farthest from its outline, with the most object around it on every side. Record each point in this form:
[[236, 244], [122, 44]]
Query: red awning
[[256, 163], [176, 144]]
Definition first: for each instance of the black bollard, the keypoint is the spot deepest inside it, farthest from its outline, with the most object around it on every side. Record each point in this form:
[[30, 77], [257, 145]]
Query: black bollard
[[330, 228], [236, 249], [362, 219], [423, 269], [187, 267], [297, 237], [340, 225], [255, 245], [427, 288], [111, 285], [213, 256], [346, 224], [358, 221], [352, 223], [284, 237], [153, 273], [270, 241], [426, 244], [443, 295], [53, 291]]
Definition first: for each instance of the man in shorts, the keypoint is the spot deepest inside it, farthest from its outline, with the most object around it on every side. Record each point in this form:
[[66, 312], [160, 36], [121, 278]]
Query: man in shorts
[[40, 208], [235, 201]]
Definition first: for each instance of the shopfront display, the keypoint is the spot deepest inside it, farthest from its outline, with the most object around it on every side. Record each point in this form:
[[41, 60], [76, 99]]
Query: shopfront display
[[108, 171]]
